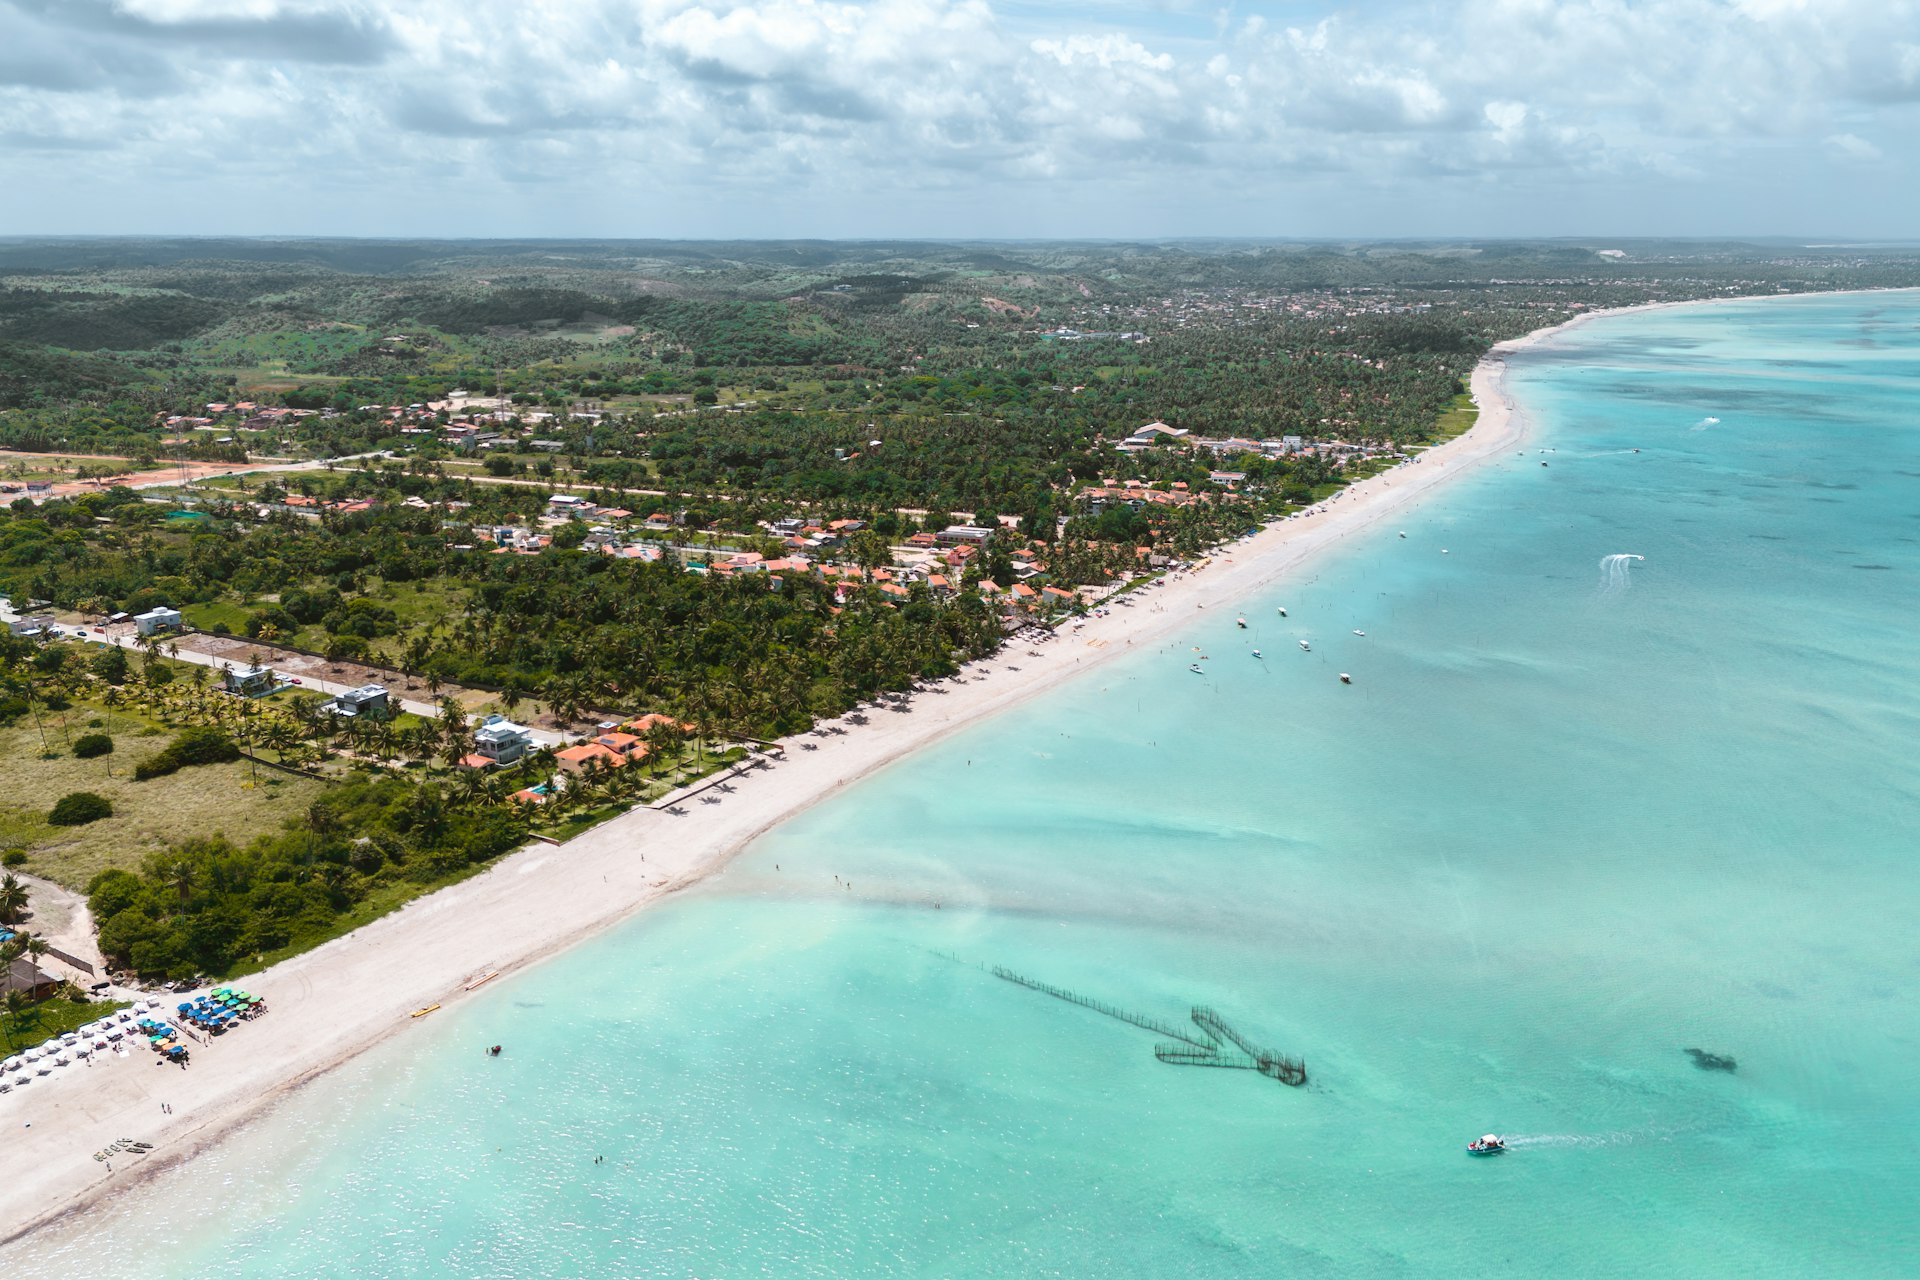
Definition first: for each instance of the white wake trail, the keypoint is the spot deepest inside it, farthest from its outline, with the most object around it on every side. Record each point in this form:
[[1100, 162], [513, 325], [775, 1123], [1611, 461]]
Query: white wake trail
[[1617, 1139], [1616, 572]]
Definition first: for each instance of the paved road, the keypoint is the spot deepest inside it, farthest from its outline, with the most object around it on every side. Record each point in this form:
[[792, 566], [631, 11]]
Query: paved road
[[429, 710]]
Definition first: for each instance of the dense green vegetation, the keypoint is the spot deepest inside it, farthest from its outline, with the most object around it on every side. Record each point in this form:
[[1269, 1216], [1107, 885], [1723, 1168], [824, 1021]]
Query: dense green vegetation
[[716, 388], [207, 907], [1242, 337]]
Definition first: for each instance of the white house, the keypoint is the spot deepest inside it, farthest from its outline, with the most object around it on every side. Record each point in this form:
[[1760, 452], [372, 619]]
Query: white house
[[157, 619], [249, 682], [368, 702], [498, 741]]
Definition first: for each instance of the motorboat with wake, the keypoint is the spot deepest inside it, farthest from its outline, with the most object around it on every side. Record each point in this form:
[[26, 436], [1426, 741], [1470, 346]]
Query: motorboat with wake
[[1490, 1144]]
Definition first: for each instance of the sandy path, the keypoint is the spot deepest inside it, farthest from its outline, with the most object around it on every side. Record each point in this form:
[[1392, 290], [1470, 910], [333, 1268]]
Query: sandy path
[[334, 1002]]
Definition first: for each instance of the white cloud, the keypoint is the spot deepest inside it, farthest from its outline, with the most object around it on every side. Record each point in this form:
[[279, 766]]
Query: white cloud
[[842, 107], [1850, 146]]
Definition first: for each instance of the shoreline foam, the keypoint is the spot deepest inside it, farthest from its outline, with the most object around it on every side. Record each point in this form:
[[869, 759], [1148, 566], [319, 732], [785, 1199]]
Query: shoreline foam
[[342, 998]]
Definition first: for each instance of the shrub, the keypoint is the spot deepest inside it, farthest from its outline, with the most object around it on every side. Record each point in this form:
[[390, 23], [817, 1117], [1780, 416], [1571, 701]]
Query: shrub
[[310, 606], [189, 747], [204, 746], [155, 767], [14, 857], [362, 618], [274, 616], [111, 665], [77, 808], [89, 745]]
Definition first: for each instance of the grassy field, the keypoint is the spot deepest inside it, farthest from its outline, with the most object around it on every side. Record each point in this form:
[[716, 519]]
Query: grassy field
[[206, 617], [208, 800], [1455, 421], [48, 1019]]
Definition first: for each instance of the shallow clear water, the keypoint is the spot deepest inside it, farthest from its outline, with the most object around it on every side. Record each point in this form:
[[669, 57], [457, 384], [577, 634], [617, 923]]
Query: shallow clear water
[[1572, 817]]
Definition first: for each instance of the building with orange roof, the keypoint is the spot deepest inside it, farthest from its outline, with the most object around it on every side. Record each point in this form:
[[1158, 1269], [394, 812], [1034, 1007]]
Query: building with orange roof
[[639, 726], [583, 757], [626, 744]]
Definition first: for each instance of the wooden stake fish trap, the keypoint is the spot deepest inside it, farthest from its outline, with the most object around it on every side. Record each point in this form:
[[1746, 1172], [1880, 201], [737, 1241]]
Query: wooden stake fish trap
[[1207, 1049]]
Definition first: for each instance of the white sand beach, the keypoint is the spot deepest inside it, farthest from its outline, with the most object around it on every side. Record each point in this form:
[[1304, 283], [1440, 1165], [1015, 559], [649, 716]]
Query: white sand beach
[[334, 1002]]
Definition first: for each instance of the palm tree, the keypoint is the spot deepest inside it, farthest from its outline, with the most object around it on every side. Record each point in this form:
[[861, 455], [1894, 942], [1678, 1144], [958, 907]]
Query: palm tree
[[13, 899], [320, 822], [179, 874], [19, 1013], [662, 737], [473, 785]]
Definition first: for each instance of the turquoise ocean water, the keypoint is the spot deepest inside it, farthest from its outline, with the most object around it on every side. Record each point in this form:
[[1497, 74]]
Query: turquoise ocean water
[[1572, 817]]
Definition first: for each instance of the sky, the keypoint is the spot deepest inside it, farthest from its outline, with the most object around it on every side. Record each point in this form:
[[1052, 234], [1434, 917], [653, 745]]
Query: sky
[[960, 118]]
